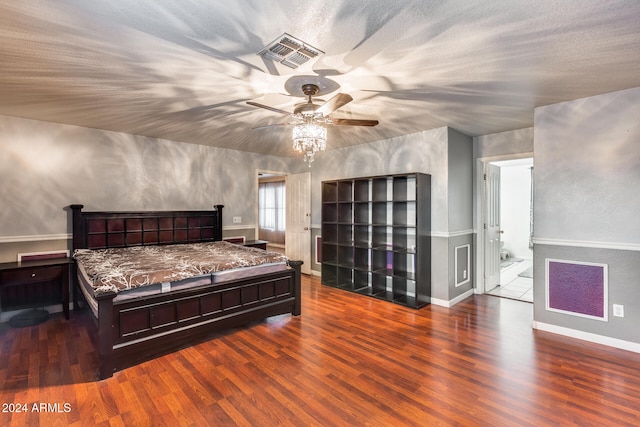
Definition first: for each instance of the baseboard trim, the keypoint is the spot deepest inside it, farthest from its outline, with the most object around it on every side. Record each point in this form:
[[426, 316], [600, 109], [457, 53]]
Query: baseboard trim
[[587, 336], [451, 303]]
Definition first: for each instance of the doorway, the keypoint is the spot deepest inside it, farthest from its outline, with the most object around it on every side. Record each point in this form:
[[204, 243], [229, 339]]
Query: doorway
[[284, 214], [507, 215], [272, 197]]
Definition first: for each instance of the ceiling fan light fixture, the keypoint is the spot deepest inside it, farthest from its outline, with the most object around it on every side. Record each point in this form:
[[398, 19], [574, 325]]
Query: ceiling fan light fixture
[[309, 138], [310, 121]]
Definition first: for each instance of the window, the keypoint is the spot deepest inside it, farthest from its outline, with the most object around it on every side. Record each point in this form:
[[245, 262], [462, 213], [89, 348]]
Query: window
[[272, 209]]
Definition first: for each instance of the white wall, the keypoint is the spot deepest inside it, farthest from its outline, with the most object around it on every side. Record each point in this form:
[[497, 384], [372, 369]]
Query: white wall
[[515, 204]]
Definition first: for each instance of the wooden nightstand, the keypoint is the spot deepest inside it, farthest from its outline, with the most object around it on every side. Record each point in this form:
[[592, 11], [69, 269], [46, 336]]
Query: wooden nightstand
[[260, 244], [37, 283]]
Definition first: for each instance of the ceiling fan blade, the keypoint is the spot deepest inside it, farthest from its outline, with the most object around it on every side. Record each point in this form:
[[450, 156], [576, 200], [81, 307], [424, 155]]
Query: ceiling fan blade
[[277, 110], [353, 122], [334, 103]]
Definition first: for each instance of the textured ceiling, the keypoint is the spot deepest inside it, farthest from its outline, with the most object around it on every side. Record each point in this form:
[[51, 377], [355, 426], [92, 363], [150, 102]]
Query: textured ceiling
[[183, 70]]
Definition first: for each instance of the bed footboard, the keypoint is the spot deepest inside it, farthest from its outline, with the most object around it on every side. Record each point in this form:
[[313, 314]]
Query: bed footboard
[[134, 331]]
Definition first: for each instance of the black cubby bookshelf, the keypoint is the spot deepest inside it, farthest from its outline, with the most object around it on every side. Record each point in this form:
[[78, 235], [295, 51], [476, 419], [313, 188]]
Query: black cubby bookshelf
[[376, 237]]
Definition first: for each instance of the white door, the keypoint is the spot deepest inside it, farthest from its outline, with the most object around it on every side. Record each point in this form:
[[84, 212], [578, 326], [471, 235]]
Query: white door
[[492, 226], [298, 231]]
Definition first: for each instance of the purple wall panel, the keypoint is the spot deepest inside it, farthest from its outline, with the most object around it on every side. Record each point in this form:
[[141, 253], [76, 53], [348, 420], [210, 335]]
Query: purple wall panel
[[577, 288]]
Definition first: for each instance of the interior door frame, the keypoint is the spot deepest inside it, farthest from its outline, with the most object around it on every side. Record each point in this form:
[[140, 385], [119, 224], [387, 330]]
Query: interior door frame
[[491, 225], [257, 195], [300, 209], [480, 287], [257, 205]]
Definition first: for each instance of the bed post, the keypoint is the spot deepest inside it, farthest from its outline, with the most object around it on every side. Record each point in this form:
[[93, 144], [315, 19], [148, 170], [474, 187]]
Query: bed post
[[105, 334], [219, 222], [78, 241], [297, 286]]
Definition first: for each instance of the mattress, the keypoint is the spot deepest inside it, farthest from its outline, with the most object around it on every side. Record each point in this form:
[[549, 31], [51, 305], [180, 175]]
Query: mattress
[[123, 269]]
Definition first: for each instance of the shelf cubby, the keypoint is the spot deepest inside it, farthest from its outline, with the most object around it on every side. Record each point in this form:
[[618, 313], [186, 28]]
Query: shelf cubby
[[379, 189], [330, 233], [362, 281], [404, 213], [380, 213], [361, 192], [362, 213], [330, 212], [330, 192], [329, 253], [345, 256], [345, 212], [345, 277], [381, 236], [404, 188], [345, 234], [329, 274], [362, 259], [362, 236], [404, 239], [345, 191]]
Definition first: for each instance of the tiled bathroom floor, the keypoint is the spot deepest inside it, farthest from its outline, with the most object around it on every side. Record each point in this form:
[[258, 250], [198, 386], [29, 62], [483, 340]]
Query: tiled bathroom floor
[[514, 286]]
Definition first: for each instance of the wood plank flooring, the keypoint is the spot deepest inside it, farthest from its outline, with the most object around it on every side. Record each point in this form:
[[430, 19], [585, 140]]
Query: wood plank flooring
[[349, 360]]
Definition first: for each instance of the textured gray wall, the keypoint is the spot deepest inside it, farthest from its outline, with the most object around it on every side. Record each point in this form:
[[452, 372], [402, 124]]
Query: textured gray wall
[[504, 143], [587, 169], [460, 179], [45, 167]]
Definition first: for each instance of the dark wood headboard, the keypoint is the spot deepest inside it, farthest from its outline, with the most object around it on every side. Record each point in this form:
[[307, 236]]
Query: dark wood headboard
[[98, 230]]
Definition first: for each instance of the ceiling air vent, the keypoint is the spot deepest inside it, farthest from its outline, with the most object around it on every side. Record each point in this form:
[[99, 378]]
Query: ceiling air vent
[[290, 51]]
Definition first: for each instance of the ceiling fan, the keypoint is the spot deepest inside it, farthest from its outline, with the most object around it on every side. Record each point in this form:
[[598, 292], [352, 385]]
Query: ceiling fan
[[317, 113]]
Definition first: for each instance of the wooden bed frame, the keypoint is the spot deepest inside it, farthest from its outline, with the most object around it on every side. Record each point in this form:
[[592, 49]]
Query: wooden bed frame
[[139, 329]]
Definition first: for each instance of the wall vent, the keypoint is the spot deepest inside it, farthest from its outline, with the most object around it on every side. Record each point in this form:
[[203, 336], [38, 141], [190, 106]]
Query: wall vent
[[290, 51]]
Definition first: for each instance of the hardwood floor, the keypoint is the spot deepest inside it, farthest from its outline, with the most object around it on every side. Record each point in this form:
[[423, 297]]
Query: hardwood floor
[[348, 360]]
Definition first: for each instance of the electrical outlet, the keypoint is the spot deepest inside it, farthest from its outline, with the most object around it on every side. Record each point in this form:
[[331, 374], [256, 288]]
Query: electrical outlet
[[464, 274], [618, 310], [237, 219]]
